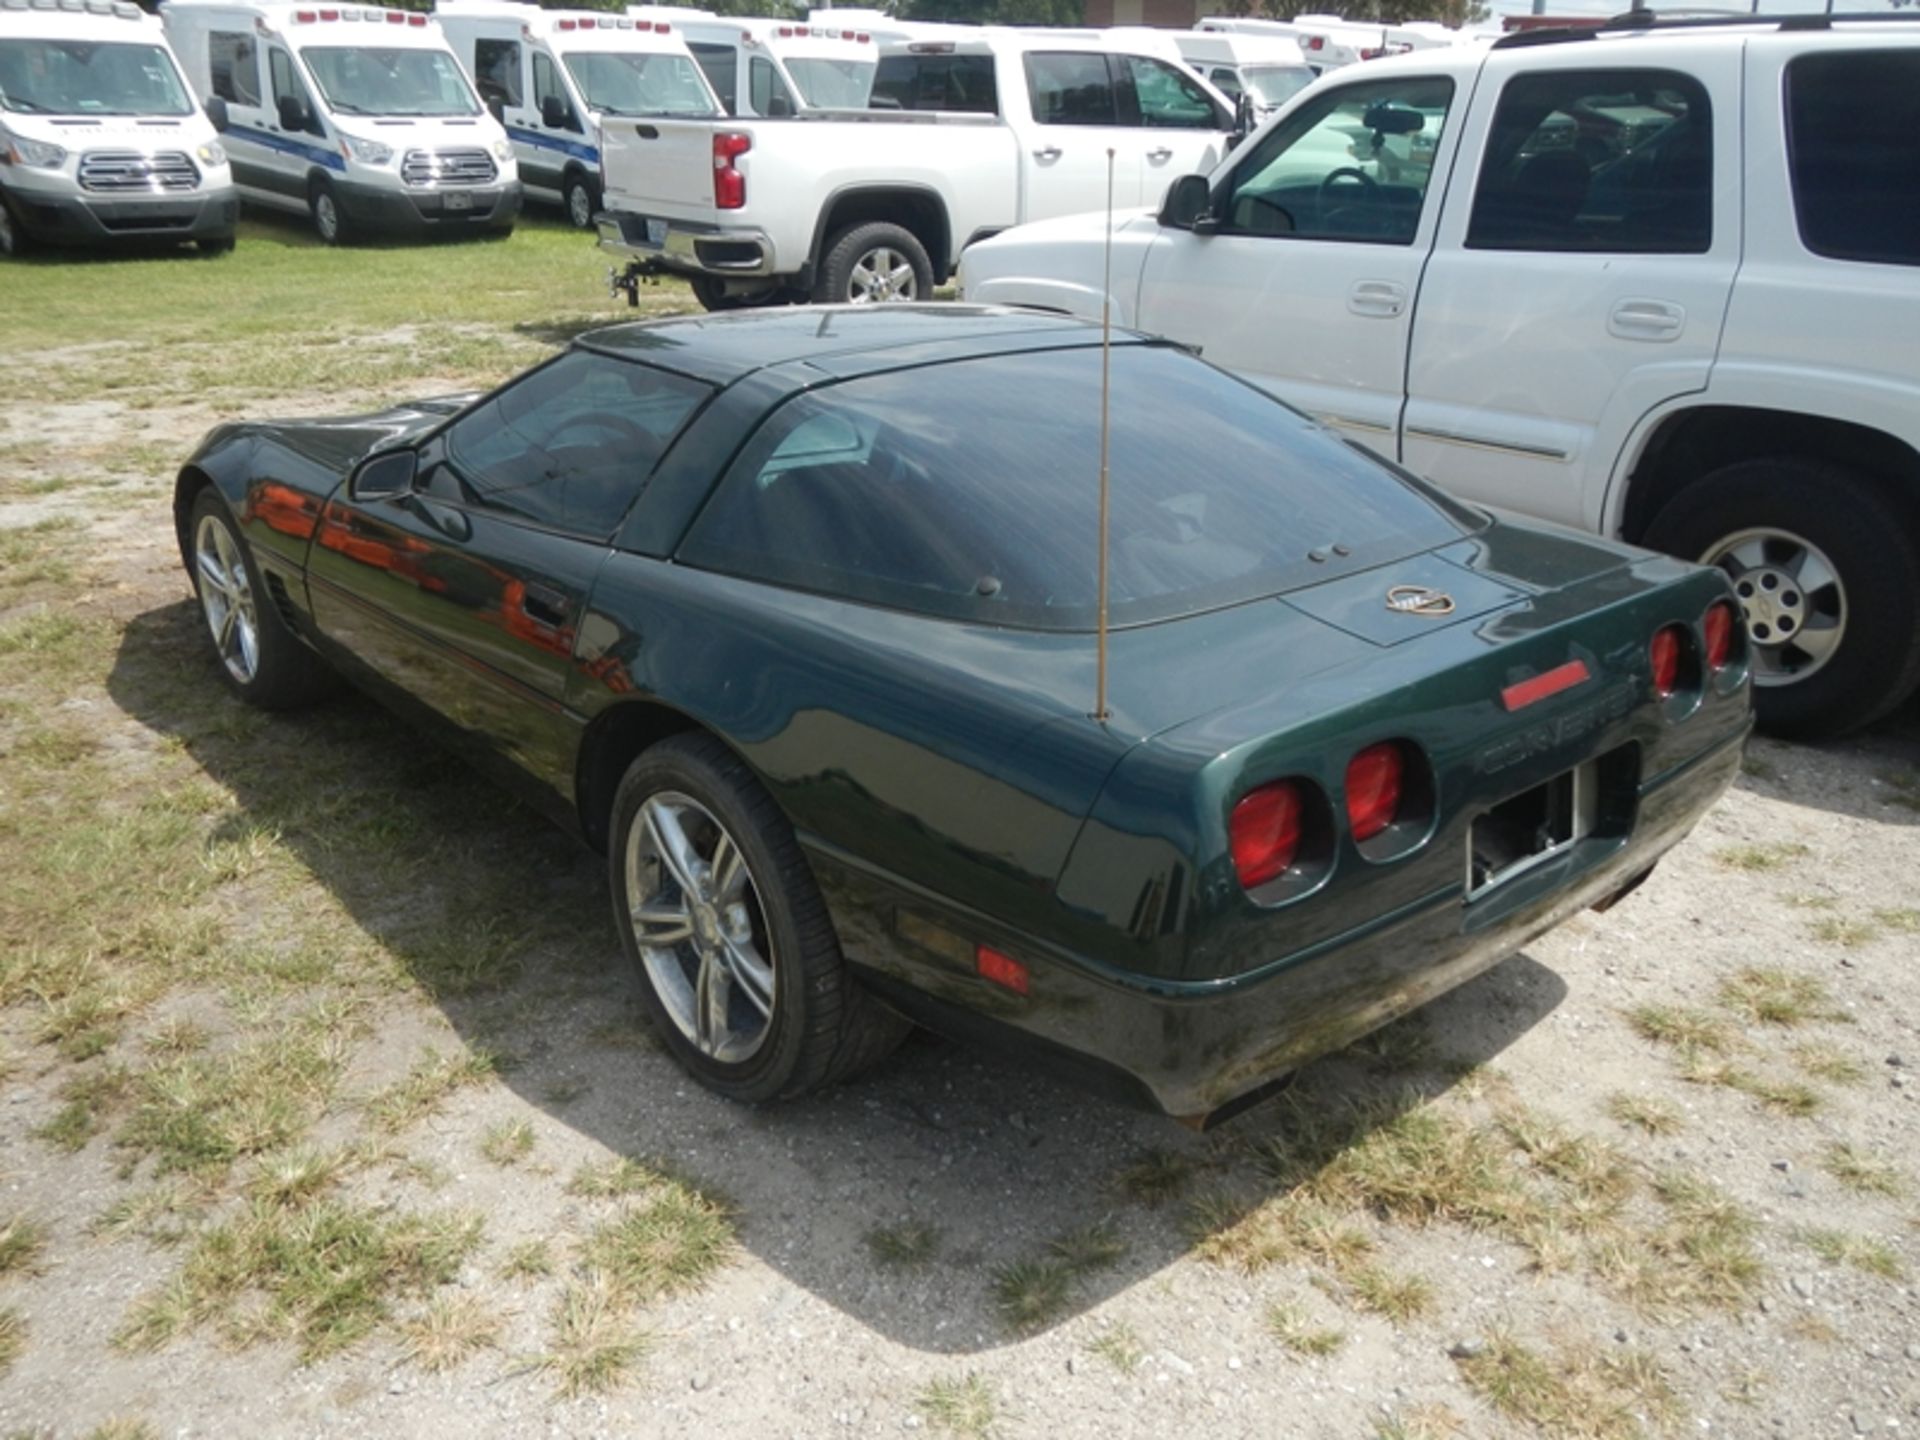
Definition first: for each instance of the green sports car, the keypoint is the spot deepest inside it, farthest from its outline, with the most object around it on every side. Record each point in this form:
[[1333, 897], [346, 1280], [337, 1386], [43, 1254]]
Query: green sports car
[[794, 614]]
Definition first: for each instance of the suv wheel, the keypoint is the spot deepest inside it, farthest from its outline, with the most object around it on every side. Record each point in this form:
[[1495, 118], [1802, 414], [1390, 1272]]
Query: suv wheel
[[869, 264], [1827, 575]]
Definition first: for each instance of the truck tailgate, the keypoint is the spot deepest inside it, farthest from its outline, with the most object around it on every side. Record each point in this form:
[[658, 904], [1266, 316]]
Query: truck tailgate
[[650, 165]]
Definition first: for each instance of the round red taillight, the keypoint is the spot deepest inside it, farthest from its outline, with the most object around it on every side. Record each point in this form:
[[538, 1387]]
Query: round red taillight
[[1664, 652], [1264, 833], [1375, 778], [1717, 629]]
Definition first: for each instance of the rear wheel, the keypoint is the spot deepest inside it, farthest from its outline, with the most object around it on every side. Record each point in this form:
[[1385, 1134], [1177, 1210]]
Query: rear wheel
[[260, 659], [14, 239], [329, 222], [738, 961], [582, 200], [1827, 575], [874, 263]]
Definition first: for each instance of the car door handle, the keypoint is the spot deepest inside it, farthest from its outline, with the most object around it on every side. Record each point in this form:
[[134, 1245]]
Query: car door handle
[[1049, 152], [1647, 320], [1381, 298], [1159, 154], [647, 132], [545, 604]]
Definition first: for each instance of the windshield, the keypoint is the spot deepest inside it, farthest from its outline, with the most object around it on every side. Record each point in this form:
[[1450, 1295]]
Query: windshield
[[1276, 84], [634, 83], [379, 81], [73, 77], [832, 84], [888, 489]]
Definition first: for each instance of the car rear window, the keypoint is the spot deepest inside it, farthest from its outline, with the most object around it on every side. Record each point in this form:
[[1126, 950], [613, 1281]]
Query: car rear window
[[971, 490], [1851, 121]]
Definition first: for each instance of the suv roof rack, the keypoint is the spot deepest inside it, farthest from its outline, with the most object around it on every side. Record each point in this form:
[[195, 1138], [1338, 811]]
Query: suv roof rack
[[1635, 20]]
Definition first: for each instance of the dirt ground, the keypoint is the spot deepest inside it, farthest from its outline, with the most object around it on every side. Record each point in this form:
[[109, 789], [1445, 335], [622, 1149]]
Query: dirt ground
[[1653, 1176]]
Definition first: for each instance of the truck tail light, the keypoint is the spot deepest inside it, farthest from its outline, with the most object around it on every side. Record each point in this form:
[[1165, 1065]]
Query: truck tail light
[[729, 185], [1717, 629], [1664, 653], [1001, 968], [1264, 833], [1375, 780]]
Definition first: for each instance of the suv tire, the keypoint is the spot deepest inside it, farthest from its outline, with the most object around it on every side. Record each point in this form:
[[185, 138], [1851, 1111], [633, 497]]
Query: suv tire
[[329, 220], [1764, 522], [864, 265]]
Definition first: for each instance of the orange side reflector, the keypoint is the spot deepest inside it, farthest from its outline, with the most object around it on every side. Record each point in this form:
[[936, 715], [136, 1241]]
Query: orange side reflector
[[1528, 692], [1001, 969]]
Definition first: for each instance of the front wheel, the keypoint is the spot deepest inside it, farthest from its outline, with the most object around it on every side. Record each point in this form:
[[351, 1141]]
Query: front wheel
[[329, 222], [874, 263], [262, 661], [739, 965], [1827, 575], [14, 239], [582, 200]]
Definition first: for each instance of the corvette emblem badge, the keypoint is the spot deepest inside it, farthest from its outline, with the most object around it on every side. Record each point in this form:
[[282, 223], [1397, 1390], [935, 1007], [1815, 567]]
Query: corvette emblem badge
[[1419, 600]]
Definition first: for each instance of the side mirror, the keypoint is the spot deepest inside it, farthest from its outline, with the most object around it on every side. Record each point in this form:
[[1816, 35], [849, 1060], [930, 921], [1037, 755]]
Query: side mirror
[[216, 109], [779, 107], [556, 114], [387, 474], [1188, 205], [293, 115]]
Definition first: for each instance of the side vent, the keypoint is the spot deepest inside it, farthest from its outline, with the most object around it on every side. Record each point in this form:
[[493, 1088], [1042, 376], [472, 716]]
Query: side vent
[[283, 602]]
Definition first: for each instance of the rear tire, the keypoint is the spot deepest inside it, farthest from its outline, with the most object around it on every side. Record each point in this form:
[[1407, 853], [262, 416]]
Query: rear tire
[[581, 197], [872, 264], [261, 661], [329, 220], [1767, 524], [746, 931], [14, 239]]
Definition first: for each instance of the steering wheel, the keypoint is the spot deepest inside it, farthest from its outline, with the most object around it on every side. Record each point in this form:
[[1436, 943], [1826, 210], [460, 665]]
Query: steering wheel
[[1346, 172]]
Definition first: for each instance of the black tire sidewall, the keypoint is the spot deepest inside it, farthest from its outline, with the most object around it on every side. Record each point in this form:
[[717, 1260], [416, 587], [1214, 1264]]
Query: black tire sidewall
[[288, 673], [699, 767], [1874, 554], [339, 236], [575, 180], [836, 271]]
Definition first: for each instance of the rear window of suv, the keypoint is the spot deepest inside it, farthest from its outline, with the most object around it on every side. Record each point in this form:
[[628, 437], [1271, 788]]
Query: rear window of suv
[[1852, 119]]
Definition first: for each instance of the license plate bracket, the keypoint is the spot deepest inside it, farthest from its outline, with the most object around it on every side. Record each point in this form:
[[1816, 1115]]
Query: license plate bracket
[[1531, 828], [656, 232], [455, 200]]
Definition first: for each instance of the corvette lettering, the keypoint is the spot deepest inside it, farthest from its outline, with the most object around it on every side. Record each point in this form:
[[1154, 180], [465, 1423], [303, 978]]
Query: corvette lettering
[[1551, 735]]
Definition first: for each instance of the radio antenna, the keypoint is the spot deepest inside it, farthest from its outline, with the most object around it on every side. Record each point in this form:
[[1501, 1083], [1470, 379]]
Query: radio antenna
[[1100, 712]]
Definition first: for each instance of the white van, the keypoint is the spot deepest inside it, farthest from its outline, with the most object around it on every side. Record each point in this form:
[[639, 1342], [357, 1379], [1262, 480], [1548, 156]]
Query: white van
[[357, 116], [772, 68], [552, 76], [1268, 69], [100, 139]]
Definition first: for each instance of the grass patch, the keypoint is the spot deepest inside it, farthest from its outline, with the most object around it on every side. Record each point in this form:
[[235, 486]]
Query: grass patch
[[1769, 995], [1399, 1298], [611, 1179], [1700, 1255], [1756, 859], [87, 1100], [1120, 1347], [449, 1332], [1859, 1171], [529, 1260], [428, 1086], [1422, 1422], [1090, 1248], [1032, 1294], [1643, 1113], [507, 1143], [120, 1427], [1290, 1325], [906, 1246], [595, 1343], [1847, 934], [1827, 1062], [1681, 1028], [1574, 1391], [669, 1244], [1156, 1176], [13, 1337], [21, 1241], [962, 1407], [1861, 1252], [1902, 921]]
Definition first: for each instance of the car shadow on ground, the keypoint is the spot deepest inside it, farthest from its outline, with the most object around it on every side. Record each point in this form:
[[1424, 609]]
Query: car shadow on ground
[[504, 923]]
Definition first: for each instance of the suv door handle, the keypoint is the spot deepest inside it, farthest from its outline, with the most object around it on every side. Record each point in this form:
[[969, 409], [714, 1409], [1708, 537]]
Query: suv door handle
[[1381, 298], [1161, 153], [1050, 152], [1647, 320]]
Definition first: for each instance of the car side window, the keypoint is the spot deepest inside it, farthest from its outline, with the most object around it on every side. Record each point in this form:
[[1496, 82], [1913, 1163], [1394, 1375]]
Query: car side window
[[764, 85], [1598, 161], [496, 71], [546, 83], [1168, 99], [568, 447], [234, 64], [1353, 164], [1850, 130], [1071, 89], [960, 83], [287, 86], [722, 67], [1226, 81]]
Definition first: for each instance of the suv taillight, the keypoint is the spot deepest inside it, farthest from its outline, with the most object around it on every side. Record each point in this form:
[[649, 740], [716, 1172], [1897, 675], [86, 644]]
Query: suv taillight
[[729, 185], [1265, 831]]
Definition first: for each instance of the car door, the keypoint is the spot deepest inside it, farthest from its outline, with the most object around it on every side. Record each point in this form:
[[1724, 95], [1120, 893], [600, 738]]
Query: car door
[[466, 588], [1305, 277], [1175, 126], [557, 124], [295, 135], [500, 75], [233, 74], [1071, 95], [1587, 283]]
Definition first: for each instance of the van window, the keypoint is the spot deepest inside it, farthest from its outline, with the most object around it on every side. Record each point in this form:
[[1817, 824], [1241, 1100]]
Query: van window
[[86, 77], [287, 86], [1850, 138], [547, 86], [387, 80], [496, 71], [764, 86], [1168, 99], [1070, 89], [960, 83], [1226, 81], [1597, 161], [234, 63], [722, 67], [638, 83]]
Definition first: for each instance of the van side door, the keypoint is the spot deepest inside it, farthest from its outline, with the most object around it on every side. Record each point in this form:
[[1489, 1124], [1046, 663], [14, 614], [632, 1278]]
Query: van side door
[[234, 75], [296, 134]]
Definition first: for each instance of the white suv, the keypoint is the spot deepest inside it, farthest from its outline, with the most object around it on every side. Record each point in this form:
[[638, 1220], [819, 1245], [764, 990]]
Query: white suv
[[1661, 280]]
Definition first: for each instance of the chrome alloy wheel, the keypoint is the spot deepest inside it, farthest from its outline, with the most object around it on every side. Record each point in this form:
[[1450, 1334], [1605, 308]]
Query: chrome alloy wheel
[[580, 205], [881, 274], [226, 598], [1791, 597], [326, 216], [700, 927]]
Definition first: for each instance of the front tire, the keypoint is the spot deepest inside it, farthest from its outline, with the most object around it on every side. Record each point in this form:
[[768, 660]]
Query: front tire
[[14, 239], [261, 660], [1827, 574], [581, 198], [739, 966], [872, 264], [329, 220]]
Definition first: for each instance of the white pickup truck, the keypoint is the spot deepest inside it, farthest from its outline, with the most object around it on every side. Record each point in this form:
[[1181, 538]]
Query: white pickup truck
[[1661, 280], [966, 137]]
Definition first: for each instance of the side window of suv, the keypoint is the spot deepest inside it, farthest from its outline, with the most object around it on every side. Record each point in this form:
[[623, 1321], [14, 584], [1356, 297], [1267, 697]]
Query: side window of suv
[[1352, 165], [1851, 121], [1070, 89], [1600, 161]]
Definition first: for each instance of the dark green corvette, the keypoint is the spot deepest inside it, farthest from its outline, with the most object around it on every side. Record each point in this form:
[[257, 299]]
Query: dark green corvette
[[793, 614]]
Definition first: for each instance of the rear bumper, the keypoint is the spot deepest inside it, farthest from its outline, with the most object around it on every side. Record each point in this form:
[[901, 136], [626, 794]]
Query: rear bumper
[[1194, 1047], [685, 247], [423, 211], [100, 220]]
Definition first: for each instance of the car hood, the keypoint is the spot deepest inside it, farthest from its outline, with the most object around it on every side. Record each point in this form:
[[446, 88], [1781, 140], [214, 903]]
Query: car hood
[[1070, 250]]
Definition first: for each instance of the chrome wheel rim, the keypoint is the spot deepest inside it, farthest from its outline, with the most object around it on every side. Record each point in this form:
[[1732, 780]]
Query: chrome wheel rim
[[1791, 601], [701, 930], [325, 218], [226, 599], [881, 274], [579, 206]]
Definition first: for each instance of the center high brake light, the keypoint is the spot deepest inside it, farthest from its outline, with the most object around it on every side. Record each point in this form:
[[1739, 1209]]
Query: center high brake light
[[1264, 833], [729, 185], [1375, 779]]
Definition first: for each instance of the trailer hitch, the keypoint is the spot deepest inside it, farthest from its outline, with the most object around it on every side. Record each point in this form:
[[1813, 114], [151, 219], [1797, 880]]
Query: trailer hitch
[[627, 282]]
